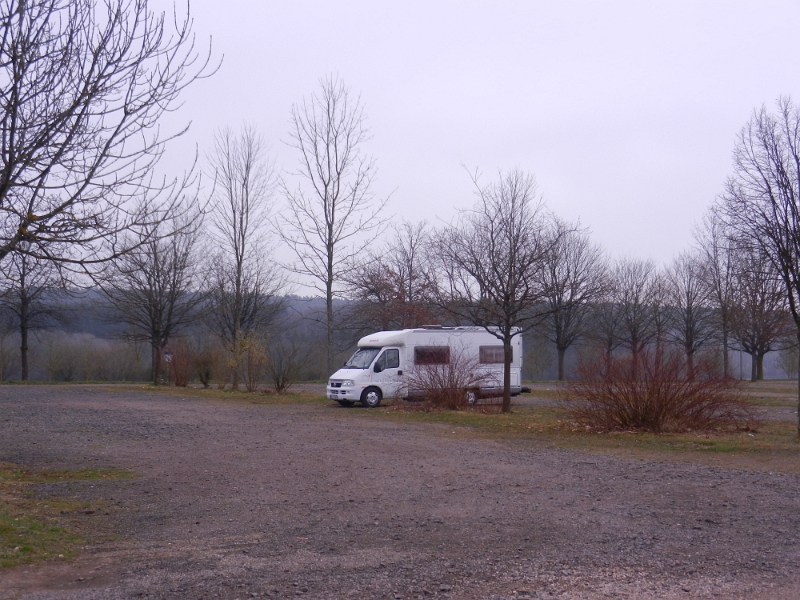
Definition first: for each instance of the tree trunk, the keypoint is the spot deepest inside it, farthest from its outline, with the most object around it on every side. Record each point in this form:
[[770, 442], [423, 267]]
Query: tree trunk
[[753, 368], [23, 336], [690, 365], [155, 362], [561, 353], [23, 349], [235, 362], [329, 326], [759, 368], [798, 383], [725, 358], [507, 374]]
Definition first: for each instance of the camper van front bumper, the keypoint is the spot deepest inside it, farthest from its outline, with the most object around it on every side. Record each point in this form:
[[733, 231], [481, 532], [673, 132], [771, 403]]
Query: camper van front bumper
[[343, 390], [343, 395]]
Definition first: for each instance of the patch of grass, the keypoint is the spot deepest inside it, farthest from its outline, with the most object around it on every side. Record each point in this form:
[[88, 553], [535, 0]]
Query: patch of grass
[[24, 539], [770, 392], [21, 475], [33, 529], [759, 400], [773, 447], [547, 390]]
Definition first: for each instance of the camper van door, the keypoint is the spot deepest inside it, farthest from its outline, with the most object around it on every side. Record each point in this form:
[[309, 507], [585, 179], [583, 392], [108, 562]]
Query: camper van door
[[386, 372]]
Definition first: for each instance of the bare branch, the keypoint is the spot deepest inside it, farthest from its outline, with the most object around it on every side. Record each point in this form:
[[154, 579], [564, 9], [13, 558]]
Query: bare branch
[[83, 85]]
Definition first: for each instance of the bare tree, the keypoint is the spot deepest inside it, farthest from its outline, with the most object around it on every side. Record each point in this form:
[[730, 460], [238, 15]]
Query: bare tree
[[29, 293], [714, 240], [489, 263], [572, 276], [244, 280], [758, 312], [390, 285], [605, 321], [662, 312], [689, 298], [84, 85], [154, 288], [635, 282], [332, 217], [762, 198]]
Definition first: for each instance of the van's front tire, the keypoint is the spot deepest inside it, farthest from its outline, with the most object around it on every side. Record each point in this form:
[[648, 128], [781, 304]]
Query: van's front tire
[[371, 397]]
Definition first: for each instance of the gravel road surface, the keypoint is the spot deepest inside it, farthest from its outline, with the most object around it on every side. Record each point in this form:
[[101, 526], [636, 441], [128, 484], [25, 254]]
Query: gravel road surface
[[237, 500]]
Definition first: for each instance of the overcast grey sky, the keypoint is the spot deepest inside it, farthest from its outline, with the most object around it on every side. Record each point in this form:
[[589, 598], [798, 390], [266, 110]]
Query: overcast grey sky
[[626, 112]]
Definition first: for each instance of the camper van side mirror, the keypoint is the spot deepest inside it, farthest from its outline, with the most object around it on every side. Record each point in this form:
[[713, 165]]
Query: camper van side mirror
[[378, 368]]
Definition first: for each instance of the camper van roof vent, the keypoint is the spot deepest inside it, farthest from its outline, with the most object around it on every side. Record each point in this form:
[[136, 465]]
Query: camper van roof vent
[[432, 327]]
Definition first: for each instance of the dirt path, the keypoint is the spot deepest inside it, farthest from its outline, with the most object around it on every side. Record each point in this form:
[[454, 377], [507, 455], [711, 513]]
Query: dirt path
[[243, 501]]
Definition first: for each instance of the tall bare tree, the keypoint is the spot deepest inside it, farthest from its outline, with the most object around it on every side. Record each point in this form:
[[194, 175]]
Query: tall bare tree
[[761, 202], [332, 214], [635, 285], [83, 85], [758, 311], [689, 298], [573, 276], [663, 313], [489, 263], [29, 291], [714, 240], [244, 280], [605, 320], [155, 287]]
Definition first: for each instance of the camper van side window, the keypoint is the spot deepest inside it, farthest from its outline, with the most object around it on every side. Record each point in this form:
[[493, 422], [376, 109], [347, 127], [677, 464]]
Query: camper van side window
[[391, 359], [493, 355], [432, 355]]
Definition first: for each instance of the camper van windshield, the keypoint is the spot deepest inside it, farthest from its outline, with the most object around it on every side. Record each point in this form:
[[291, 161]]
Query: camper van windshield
[[362, 359]]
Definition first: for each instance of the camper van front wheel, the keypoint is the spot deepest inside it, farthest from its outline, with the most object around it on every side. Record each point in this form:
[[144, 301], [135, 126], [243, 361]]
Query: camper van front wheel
[[371, 397]]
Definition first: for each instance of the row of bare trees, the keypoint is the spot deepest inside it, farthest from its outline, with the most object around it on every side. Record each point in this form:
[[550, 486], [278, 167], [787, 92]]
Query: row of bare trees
[[511, 266]]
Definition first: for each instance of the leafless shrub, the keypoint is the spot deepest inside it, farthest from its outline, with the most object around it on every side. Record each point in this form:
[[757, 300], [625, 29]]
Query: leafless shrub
[[652, 391], [204, 363], [285, 360], [451, 386], [254, 362]]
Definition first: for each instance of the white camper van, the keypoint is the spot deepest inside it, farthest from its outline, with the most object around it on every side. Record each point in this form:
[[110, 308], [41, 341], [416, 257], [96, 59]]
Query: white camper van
[[383, 361]]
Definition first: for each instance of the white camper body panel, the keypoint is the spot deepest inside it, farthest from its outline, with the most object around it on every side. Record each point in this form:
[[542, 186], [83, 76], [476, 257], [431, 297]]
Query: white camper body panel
[[395, 352]]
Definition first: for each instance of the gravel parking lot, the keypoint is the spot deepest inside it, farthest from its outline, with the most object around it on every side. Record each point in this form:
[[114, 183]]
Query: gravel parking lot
[[236, 500]]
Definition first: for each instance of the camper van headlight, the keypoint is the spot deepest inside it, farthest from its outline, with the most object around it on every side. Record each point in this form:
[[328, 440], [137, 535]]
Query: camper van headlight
[[348, 383]]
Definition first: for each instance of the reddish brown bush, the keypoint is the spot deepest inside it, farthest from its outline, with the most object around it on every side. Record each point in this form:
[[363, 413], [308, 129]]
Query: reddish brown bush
[[452, 386], [654, 393], [181, 362]]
